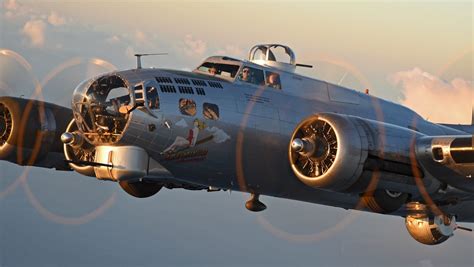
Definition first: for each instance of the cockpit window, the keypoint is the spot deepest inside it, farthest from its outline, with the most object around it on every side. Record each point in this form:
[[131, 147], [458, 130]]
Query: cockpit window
[[273, 80], [252, 75], [218, 69]]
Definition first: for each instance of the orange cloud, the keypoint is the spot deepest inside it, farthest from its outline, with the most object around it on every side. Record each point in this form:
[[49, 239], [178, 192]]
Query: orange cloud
[[55, 19], [193, 46], [10, 4], [436, 99], [35, 31]]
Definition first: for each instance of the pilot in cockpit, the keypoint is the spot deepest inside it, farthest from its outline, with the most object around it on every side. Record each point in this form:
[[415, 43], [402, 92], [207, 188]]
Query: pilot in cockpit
[[212, 70], [245, 75], [273, 80], [252, 76]]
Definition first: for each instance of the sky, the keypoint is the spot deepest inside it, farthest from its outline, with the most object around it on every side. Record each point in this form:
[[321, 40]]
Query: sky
[[419, 54]]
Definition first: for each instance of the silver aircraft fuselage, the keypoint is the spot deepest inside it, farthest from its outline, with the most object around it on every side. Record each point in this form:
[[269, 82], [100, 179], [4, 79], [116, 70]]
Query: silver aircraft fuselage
[[246, 148]]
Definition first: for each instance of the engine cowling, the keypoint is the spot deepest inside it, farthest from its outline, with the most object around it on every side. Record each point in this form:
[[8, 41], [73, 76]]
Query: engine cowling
[[340, 152], [30, 131], [327, 151], [451, 158]]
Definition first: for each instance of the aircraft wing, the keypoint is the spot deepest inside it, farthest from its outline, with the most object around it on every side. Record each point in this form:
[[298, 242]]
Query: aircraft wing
[[461, 127], [30, 132]]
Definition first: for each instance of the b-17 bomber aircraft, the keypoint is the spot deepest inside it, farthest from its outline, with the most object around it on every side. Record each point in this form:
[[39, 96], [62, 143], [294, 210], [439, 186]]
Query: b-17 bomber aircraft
[[254, 126]]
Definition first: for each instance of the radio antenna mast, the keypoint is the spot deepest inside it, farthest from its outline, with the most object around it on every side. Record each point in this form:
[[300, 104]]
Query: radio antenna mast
[[139, 58]]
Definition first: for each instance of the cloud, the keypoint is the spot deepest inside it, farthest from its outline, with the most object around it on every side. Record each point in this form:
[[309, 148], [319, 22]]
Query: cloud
[[113, 39], [426, 263], [10, 5], [35, 31], [231, 50], [194, 47], [13, 9], [181, 123], [141, 37], [219, 136], [55, 19], [434, 98]]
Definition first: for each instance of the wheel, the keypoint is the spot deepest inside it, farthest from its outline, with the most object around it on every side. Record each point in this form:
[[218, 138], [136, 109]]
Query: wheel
[[140, 189], [384, 201]]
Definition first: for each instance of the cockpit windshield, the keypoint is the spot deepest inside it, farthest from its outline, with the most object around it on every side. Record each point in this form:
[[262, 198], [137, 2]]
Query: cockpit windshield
[[101, 108], [219, 69]]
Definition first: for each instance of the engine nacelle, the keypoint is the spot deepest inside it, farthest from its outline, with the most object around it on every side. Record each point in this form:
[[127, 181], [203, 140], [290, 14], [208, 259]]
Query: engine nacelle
[[450, 157], [333, 151], [30, 131]]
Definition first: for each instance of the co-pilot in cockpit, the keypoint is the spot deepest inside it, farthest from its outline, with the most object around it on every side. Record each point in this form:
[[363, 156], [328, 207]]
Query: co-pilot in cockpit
[[266, 63], [219, 69]]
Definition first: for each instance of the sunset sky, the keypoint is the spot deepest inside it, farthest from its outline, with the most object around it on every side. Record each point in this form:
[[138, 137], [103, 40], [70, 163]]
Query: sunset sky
[[415, 53], [427, 43]]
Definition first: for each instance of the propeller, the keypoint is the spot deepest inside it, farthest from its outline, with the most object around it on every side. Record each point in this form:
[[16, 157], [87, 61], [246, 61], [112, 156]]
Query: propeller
[[17, 76]]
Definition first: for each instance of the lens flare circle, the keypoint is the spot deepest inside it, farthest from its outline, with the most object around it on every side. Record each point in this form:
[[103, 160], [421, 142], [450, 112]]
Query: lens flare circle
[[261, 220], [33, 199], [38, 95], [27, 66]]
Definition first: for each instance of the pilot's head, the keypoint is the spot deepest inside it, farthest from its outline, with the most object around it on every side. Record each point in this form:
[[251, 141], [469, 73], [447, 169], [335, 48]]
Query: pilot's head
[[212, 70], [273, 78]]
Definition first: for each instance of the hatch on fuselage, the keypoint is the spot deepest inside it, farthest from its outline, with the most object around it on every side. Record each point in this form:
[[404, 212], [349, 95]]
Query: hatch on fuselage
[[273, 55]]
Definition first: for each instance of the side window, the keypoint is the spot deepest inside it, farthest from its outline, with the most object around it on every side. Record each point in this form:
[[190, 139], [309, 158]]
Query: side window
[[252, 75], [273, 80], [187, 107], [152, 96], [210, 111]]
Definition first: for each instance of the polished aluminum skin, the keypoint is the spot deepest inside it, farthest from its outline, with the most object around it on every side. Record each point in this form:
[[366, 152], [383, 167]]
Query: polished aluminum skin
[[249, 145]]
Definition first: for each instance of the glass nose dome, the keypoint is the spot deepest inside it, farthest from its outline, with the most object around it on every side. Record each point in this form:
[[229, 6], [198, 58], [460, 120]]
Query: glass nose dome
[[100, 107]]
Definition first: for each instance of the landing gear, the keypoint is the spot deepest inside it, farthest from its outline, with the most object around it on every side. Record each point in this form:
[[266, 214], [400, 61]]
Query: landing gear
[[140, 189], [384, 201], [254, 204]]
